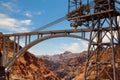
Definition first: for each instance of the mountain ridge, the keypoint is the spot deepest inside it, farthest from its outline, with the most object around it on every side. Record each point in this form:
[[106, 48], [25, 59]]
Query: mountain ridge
[[68, 65]]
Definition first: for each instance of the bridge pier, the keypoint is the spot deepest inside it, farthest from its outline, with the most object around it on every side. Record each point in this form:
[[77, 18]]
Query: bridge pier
[[2, 73], [2, 69]]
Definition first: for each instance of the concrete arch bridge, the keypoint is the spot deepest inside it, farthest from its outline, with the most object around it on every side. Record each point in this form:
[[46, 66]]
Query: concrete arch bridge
[[30, 39]]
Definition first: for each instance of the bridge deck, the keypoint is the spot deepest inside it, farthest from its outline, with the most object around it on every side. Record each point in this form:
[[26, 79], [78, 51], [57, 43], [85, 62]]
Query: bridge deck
[[56, 32]]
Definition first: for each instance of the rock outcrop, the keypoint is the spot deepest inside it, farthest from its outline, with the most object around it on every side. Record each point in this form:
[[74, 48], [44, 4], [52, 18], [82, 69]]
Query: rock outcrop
[[67, 65], [29, 67]]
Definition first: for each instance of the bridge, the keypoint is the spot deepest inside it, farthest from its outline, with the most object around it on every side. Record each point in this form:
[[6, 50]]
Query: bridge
[[39, 36], [28, 40], [13, 41], [98, 24]]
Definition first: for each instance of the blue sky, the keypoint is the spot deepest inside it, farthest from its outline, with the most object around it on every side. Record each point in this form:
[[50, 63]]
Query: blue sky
[[27, 15]]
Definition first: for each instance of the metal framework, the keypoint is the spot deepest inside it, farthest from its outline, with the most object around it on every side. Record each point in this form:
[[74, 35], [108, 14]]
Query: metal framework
[[97, 18], [101, 17], [11, 43]]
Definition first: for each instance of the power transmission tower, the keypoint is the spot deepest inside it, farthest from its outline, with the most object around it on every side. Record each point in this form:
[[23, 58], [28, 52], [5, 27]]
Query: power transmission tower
[[101, 16]]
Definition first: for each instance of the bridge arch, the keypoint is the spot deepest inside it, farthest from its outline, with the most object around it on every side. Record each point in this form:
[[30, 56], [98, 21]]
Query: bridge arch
[[24, 49]]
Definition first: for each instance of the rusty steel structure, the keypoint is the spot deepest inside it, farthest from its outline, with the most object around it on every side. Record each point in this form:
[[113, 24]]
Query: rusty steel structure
[[94, 20], [101, 17]]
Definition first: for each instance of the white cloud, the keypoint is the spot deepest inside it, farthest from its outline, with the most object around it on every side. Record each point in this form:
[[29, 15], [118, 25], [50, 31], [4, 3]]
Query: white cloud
[[31, 14], [38, 13], [9, 6], [84, 45], [73, 47], [106, 38], [12, 24], [26, 22], [76, 47], [28, 14]]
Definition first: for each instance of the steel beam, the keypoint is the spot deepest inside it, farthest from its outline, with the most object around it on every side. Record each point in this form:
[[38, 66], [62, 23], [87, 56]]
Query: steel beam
[[103, 24]]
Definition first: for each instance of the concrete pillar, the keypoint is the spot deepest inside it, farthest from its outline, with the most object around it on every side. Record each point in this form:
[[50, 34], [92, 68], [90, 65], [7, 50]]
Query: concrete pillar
[[0, 59], [2, 69]]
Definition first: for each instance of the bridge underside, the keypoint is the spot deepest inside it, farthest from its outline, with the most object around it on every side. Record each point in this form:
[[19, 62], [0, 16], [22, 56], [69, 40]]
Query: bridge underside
[[30, 39]]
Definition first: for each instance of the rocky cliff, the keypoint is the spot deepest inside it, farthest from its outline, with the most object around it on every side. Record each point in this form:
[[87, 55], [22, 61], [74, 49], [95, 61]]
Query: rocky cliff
[[105, 57], [28, 67], [67, 65], [71, 66]]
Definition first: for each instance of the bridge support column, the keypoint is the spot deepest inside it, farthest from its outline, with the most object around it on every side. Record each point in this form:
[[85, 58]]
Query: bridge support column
[[2, 69], [2, 73]]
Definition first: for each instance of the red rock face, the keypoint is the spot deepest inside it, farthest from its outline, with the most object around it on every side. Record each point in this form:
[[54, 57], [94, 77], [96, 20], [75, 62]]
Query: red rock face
[[28, 67], [67, 65], [72, 68], [105, 58]]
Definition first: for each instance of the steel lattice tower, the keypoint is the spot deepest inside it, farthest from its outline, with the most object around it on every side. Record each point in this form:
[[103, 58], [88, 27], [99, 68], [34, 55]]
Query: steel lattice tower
[[101, 16]]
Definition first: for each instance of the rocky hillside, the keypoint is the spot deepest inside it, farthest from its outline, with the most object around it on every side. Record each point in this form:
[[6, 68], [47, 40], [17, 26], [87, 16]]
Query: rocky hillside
[[70, 66], [105, 58], [29, 67], [67, 65]]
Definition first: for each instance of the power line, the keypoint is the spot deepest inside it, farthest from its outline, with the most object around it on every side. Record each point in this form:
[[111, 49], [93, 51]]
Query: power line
[[50, 24]]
